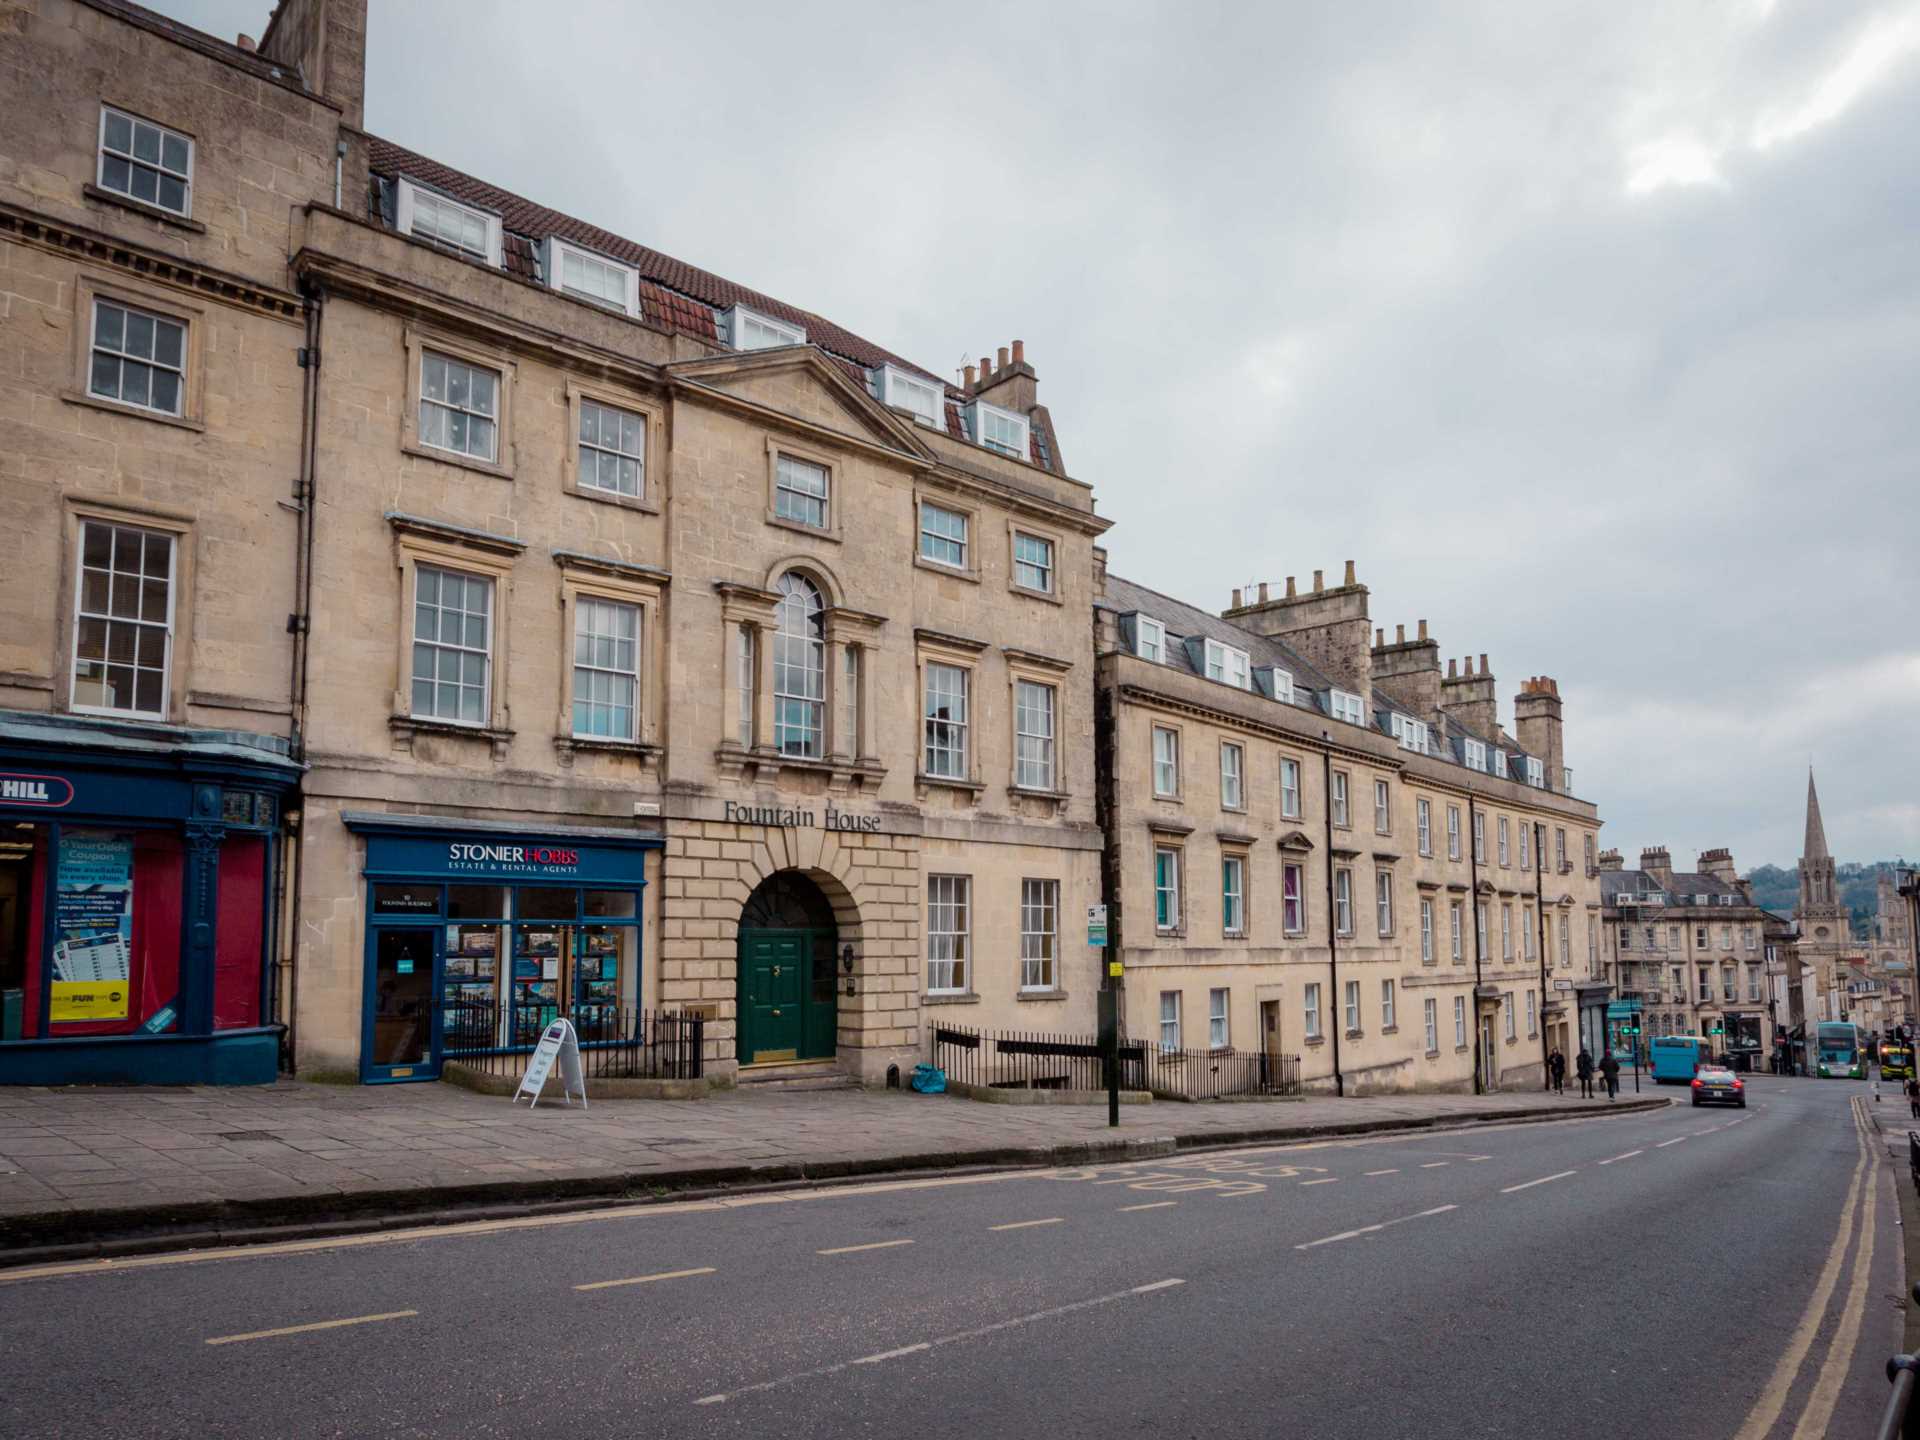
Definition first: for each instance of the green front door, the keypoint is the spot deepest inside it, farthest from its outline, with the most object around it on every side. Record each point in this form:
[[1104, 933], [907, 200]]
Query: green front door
[[784, 1014]]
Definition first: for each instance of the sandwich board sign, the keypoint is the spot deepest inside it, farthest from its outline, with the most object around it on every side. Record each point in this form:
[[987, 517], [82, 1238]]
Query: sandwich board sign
[[557, 1042]]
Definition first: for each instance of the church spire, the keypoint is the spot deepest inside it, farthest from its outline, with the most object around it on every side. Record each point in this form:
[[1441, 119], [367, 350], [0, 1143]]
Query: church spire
[[1815, 846]]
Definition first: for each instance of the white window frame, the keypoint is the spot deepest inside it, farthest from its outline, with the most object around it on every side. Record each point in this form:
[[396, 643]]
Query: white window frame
[[1457, 924], [1352, 1000], [1431, 1013], [1480, 836], [781, 463], [1497, 764], [1283, 685], [585, 609], [1389, 1007], [407, 203], [495, 417], [1289, 788], [1533, 1014], [1049, 572], [595, 447], [953, 895], [1296, 873], [965, 542], [152, 361], [1426, 931], [1382, 807], [1412, 734], [1345, 705], [1536, 773], [1233, 777], [1504, 833], [1526, 848], [955, 762], [1039, 935], [782, 332], [1219, 1019], [1341, 800], [557, 252], [1169, 1022], [1310, 1009], [1343, 901], [1033, 748], [485, 651], [159, 167], [1170, 765], [1233, 895], [1156, 650], [897, 389], [1229, 666], [1566, 944], [1453, 832], [1506, 932], [1513, 1020], [1529, 936], [1423, 824], [82, 614], [979, 412], [1383, 901], [1473, 754], [1171, 853]]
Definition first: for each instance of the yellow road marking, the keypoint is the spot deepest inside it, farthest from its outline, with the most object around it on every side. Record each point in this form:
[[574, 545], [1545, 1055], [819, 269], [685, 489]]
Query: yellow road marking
[[646, 1279], [1027, 1224], [856, 1249], [1156, 1205], [1330, 1180], [316, 1325], [1826, 1390], [1371, 1173]]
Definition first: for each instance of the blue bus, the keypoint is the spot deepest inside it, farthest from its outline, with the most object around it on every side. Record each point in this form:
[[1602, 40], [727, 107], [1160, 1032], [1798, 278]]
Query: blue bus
[[1841, 1051], [1676, 1057]]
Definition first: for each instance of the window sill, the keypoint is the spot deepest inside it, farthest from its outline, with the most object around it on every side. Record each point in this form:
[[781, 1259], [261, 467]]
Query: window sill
[[936, 997], [406, 727], [942, 782], [1389, 1029], [1176, 934], [1239, 935], [1433, 1054], [1356, 1034], [565, 747], [952, 572], [140, 207], [1041, 996], [800, 527], [612, 497], [1314, 1040], [1052, 597], [1041, 793], [494, 468], [114, 407]]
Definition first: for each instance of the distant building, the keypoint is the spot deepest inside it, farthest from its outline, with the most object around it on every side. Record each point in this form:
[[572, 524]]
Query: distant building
[[1825, 928]]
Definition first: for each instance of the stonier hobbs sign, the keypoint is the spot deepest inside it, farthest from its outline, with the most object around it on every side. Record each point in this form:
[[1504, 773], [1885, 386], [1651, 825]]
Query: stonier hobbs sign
[[787, 817]]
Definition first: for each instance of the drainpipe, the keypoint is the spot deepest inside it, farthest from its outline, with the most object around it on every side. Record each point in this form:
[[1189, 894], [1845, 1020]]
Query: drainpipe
[[1540, 920], [1473, 919], [300, 624], [1333, 936]]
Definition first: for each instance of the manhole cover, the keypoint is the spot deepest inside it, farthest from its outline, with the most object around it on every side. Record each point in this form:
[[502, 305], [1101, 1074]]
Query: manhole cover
[[247, 1135]]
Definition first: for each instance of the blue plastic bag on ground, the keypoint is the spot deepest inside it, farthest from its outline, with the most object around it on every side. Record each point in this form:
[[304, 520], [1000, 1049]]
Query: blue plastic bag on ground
[[929, 1080]]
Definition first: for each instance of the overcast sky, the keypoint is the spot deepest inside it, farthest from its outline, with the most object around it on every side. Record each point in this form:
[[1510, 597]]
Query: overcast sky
[[1588, 331]]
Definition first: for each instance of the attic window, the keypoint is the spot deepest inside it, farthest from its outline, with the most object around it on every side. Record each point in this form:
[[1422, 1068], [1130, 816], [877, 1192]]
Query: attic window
[[1282, 685], [1149, 639], [1498, 766], [1474, 754], [1536, 773], [1228, 665], [1347, 707], [754, 331], [921, 398], [999, 429], [593, 278], [443, 221], [1412, 734]]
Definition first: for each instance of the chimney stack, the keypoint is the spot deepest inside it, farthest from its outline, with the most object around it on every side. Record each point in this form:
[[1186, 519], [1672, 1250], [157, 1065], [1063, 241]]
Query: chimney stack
[[1469, 698], [1329, 627], [1537, 725], [325, 43], [1657, 865], [1411, 670], [1010, 384]]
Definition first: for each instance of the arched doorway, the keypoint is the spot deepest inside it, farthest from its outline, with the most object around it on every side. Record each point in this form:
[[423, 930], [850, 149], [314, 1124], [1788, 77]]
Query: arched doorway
[[787, 969]]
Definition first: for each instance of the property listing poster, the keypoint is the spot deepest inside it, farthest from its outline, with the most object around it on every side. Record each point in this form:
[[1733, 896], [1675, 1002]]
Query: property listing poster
[[93, 927]]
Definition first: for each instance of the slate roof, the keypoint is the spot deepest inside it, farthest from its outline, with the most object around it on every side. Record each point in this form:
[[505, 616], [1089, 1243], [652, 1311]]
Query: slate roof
[[673, 294]]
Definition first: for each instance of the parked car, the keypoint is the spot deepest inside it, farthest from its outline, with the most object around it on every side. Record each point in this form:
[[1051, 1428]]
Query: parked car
[[1719, 1084]]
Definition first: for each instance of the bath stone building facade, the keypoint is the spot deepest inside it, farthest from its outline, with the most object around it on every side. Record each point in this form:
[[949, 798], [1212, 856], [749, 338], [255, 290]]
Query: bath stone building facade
[[1689, 948], [1825, 928], [1317, 844]]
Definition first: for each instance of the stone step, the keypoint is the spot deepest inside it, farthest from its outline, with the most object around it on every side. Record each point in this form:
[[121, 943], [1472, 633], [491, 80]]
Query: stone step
[[799, 1075]]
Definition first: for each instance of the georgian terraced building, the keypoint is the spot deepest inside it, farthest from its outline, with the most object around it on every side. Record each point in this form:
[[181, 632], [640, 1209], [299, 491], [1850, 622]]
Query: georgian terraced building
[[1318, 845], [635, 639]]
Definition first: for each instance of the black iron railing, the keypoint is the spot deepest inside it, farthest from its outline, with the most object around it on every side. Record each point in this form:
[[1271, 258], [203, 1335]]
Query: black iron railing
[[1901, 1419], [1221, 1074], [1028, 1060], [616, 1042]]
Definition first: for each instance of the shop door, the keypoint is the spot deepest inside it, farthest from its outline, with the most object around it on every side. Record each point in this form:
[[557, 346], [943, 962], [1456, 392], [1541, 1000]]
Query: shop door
[[776, 972], [1270, 1042], [1489, 1057], [402, 1043]]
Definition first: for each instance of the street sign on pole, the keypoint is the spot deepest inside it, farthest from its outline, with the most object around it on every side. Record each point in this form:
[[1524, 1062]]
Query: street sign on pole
[[1097, 925]]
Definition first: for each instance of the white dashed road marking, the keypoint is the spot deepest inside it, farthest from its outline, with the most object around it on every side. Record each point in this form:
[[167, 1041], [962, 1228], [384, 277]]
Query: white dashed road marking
[[1543, 1180]]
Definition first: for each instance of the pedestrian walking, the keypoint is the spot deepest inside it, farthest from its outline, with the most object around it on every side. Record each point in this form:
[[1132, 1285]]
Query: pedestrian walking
[[1557, 1071], [1583, 1067], [1913, 1096], [1610, 1068]]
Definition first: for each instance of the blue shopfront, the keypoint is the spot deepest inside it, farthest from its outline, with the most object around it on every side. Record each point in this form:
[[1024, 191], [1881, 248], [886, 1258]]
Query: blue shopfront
[[137, 902], [478, 937]]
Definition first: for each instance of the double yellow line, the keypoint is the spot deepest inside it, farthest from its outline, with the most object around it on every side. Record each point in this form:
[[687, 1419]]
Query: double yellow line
[[1833, 1368]]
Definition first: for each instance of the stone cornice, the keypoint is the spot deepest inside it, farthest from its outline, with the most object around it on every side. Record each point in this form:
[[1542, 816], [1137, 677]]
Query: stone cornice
[[601, 565]]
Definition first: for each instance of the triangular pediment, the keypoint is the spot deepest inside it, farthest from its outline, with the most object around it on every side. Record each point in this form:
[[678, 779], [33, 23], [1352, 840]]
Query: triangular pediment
[[802, 384]]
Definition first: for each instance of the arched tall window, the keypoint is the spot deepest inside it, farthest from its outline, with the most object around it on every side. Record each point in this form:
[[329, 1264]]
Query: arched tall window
[[799, 669]]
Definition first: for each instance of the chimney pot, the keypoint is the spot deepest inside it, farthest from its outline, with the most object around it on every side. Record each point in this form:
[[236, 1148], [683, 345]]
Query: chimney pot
[[1291, 591], [1483, 662], [1399, 634], [1263, 592], [1236, 597], [1003, 360], [246, 42], [1319, 581], [986, 369], [968, 372], [1379, 637], [1350, 580], [1423, 629], [1453, 669], [1019, 352]]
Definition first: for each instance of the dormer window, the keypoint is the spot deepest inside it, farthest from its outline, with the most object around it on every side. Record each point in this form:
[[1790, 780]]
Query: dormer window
[[1499, 764], [1347, 706], [427, 215], [1282, 685], [754, 331], [1412, 734], [1228, 665], [1474, 754], [1149, 639], [999, 429], [1536, 773], [593, 278], [923, 399]]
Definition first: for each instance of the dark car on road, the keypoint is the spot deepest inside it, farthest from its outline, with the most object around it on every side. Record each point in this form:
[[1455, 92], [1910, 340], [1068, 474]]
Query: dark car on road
[[1718, 1084]]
